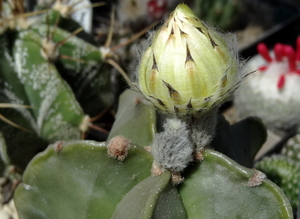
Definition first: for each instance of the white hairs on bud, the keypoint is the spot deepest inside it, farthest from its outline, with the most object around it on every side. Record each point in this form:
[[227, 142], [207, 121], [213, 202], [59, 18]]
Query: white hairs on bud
[[172, 148], [203, 129]]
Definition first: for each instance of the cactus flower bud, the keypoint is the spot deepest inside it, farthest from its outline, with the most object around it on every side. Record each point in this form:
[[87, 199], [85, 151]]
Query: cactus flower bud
[[189, 67]]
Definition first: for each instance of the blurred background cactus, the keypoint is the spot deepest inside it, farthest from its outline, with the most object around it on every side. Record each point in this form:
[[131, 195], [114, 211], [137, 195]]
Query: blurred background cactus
[[272, 92], [60, 83]]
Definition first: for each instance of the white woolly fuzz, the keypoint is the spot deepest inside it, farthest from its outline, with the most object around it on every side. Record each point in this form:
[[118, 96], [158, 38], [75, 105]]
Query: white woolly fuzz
[[203, 128], [172, 148]]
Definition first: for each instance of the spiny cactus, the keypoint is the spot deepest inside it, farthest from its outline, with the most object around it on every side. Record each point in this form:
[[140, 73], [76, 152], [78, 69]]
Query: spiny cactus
[[292, 148], [284, 170], [223, 14]]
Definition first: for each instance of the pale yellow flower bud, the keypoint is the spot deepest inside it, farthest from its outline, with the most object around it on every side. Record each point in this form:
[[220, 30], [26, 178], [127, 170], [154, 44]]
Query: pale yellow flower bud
[[189, 67]]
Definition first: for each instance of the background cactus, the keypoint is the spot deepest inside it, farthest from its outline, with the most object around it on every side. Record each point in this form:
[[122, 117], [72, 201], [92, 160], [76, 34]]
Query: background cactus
[[271, 92], [284, 172], [284, 169], [57, 73], [223, 14]]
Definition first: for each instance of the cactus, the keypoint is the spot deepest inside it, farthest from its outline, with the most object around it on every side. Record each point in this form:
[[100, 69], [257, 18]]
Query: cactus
[[115, 189], [292, 148], [134, 117], [121, 179], [58, 74], [271, 92], [284, 170], [85, 166], [223, 14], [170, 201]]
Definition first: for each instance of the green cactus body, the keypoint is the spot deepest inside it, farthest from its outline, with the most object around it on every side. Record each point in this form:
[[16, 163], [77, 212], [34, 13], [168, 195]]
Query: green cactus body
[[53, 18], [223, 14], [58, 114], [18, 146], [218, 179], [61, 86], [82, 172], [154, 197], [80, 64], [216, 188], [134, 120], [285, 172], [292, 148]]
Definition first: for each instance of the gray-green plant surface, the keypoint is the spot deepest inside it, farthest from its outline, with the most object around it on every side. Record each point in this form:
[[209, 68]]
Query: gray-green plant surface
[[216, 187]]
